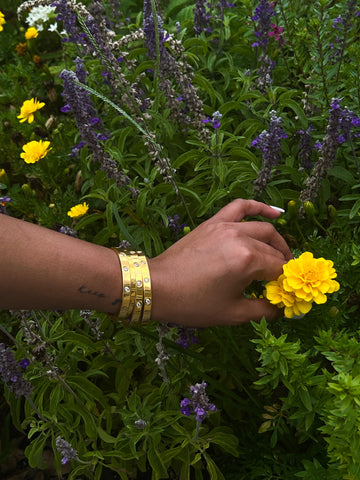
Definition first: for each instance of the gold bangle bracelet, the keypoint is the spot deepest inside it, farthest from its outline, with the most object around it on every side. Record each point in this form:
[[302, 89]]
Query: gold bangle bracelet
[[136, 300], [147, 290], [127, 294], [139, 292]]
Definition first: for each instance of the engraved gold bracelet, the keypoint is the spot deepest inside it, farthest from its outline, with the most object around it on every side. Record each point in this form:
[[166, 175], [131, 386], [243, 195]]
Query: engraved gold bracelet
[[136, 300]]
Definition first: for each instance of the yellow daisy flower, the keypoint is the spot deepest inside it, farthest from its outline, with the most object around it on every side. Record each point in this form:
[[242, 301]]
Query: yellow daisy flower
[[30, 33], [78, 210], [35, 150], [29, 107], [2, 21], [310, 278]]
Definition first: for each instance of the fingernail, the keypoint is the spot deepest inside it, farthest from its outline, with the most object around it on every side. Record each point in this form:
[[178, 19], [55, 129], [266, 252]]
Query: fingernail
[[277, 208]]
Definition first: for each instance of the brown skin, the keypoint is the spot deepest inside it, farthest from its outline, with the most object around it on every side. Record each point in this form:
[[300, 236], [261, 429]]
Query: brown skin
[[198, 281], [208, 270]]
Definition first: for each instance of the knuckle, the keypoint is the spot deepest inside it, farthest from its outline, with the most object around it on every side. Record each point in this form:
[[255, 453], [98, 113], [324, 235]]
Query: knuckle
[[248, 256], [268, 228]]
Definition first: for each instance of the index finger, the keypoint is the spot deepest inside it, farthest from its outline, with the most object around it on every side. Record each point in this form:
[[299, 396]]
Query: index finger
[[240, 208]]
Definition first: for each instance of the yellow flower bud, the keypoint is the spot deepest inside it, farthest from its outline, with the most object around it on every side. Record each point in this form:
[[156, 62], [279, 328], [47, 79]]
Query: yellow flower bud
[[27, 190], [293, 208], [309, 208], [186, 230], [3, 176], [332, 212]]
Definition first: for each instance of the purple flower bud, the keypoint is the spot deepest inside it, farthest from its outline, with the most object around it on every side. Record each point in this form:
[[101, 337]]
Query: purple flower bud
[[185, 406], [269, 142], [25, 362], [66, 450], [66, 108], [198, 404], [186, 336], [263, 14], [11, 374]]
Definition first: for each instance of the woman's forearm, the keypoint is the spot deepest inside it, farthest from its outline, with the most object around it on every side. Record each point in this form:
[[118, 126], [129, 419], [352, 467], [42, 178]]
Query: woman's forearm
[[198, 281], [43, 269]]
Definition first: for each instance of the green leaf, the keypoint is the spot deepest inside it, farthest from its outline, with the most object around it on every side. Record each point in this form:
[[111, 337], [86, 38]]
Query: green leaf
[[213, 469], [174, 6], [342, 173], [309, 420], [355, 208], [206, 86], [83, 222], [189, 156], [56, 396], [86, 417], [305, 398], [79, 340], [190, 192], [283, 366], [264, 427], [275, 355], [244, 153], [90, 390], [156, 462], [225, 439], [34, 452], [286, 102], [105, 436], [123, 229], [141, 202]]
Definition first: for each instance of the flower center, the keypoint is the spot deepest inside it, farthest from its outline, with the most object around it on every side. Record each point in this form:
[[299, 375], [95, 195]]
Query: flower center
[[310, 277]]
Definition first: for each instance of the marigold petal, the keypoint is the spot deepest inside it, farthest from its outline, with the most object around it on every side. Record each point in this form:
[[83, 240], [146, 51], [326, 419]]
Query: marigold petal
[[304, 307], [289, 312], [320, 298]]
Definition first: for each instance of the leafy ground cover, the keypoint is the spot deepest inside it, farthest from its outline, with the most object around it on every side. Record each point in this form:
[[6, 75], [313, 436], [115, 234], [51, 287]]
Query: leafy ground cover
[[130, 123]]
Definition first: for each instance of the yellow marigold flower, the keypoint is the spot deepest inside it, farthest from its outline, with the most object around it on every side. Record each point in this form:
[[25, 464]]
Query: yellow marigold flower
[[35, 150], [29, 107], [78, 210], [30, 33], [310, 278], [2, 21], [277, 295]]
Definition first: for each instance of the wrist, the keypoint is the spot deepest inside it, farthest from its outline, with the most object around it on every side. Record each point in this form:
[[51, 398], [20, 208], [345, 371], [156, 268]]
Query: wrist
[[160, 297]]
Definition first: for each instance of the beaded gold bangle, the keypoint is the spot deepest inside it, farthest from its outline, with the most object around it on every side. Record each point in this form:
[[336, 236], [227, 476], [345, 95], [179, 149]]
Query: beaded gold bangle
[[136, 301]]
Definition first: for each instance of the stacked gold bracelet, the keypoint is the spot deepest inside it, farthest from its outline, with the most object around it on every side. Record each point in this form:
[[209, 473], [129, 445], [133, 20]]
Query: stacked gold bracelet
[[136, 298]]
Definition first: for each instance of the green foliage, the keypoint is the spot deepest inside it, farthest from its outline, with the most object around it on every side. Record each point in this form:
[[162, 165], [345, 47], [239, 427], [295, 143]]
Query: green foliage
[[288, 399]]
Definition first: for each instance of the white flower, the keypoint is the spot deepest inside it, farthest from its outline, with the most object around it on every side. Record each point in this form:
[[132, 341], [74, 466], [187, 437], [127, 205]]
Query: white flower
[[53, 27], [39, 15]]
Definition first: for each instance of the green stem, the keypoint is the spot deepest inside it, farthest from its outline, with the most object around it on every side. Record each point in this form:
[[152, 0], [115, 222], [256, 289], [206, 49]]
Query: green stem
[[157, 61], [197, 430]]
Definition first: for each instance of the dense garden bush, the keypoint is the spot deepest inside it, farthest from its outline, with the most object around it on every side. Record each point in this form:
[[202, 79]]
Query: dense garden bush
[[151, 117]]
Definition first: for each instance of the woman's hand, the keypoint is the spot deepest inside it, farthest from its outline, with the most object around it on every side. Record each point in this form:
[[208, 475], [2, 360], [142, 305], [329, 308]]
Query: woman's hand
[[201, 279]]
